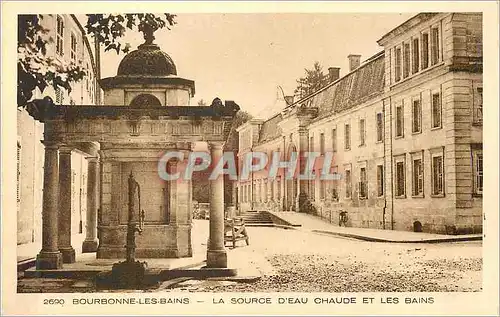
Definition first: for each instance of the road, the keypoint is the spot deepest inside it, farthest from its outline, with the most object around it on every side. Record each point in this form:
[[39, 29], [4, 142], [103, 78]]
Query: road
[[299, 261], [302, 261]]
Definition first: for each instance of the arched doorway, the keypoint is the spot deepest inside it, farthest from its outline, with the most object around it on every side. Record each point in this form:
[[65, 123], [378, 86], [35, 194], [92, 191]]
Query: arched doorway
[[291, 184]]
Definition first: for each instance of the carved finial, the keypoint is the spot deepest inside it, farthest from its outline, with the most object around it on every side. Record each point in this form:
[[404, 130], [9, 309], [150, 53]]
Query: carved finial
[[148, 32]]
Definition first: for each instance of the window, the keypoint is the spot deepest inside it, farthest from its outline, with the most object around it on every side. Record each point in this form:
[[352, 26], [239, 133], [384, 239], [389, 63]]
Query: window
[[271, 185], [278, 182], [478, 172], [59, 35], [436, 110], [334, 185], [478, 109], [399, 121], [347, 137], [363, 185], [417, 115], [425, 50], [312, 190], [362, 132], [417, 175], [415, 58], [400, 177], [434, 46], [397, 65], [437, 175], [406, 60], [380, 180], [264, 194], [254, 191], [311, 144], [380, 128], [322, 189], [74, 50], [334, 140], [322, 143], [348, 186]]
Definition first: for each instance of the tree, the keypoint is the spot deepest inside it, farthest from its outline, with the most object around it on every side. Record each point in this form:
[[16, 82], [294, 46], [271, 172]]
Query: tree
[[37, 70], [34, 68], [313, 80], [202, 103]]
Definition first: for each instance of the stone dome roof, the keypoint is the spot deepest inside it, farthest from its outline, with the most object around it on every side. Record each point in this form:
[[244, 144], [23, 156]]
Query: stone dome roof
[[147, 60]]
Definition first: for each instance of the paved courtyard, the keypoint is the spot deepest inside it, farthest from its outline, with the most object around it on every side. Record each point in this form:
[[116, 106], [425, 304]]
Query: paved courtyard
[[303, 261], [307, 262]]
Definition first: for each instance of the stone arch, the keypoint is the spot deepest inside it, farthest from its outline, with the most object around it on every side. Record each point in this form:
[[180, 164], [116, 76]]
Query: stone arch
[[145, 100], [417, 226]]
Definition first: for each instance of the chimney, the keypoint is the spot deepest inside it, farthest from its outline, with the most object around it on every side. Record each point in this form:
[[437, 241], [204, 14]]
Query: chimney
[[333, 73], [354, 61], [289, 100]]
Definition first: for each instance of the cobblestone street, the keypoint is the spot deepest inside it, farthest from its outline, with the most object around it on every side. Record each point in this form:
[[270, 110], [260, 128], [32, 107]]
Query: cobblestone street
[[302, 261], [308, 262]]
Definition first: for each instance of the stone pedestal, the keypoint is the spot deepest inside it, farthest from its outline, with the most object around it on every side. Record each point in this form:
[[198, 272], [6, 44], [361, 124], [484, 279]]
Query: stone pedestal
[[64, 219], [50, 257], [90, 243], [216, 253]]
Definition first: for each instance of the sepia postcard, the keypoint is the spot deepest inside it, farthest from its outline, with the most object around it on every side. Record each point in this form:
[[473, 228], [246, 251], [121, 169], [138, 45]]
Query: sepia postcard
[[250, 158]]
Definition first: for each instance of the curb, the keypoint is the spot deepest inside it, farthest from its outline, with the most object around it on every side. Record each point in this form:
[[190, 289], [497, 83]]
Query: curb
[[372, 239]]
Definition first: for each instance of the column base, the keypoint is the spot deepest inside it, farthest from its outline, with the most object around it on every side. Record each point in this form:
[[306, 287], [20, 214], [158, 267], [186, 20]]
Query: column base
[[49, 260], [217, 259], [68, 254], [89, 246]]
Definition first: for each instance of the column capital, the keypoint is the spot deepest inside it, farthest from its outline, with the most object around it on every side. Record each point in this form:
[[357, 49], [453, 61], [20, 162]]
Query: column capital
[[49, 144], [92, 159], [303, 131], [65, 149], [218, 145]]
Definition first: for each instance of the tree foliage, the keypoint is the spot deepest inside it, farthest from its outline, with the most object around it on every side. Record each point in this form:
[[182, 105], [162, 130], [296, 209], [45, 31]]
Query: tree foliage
[[109, 29], [37, 69], [313, 80]]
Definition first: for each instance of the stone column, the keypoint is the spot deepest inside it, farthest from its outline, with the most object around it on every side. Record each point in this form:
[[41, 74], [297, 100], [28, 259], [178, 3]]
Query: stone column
[[216, 254], [50, 257], [64, 219], [90, 242], [303, 184]]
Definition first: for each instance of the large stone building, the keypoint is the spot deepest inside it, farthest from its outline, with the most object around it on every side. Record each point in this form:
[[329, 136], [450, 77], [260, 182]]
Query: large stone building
[[70, 45], [404, 127]]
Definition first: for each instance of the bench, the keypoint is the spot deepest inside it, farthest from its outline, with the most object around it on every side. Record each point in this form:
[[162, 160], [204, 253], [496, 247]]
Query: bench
[[234, 230]]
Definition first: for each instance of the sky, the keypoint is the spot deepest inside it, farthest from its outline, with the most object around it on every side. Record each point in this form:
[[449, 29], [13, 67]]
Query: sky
[[245, 57]]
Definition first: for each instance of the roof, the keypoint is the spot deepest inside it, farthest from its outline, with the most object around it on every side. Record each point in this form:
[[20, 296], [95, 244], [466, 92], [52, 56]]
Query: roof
[[403, 27], [87, 44], [270, 129], [147, 60], [360, 85]]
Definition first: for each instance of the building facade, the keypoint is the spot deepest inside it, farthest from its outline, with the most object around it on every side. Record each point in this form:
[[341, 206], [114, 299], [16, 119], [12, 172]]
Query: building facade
[[405, 130], [70, 45]]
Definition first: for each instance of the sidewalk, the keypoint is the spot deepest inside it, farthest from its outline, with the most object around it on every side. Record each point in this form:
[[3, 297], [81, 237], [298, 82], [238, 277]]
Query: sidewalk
[[26, 253], [315, 224], [243, 264]]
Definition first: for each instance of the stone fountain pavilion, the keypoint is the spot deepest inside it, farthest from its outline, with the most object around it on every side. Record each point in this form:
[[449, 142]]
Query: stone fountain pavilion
[[145, 113]]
